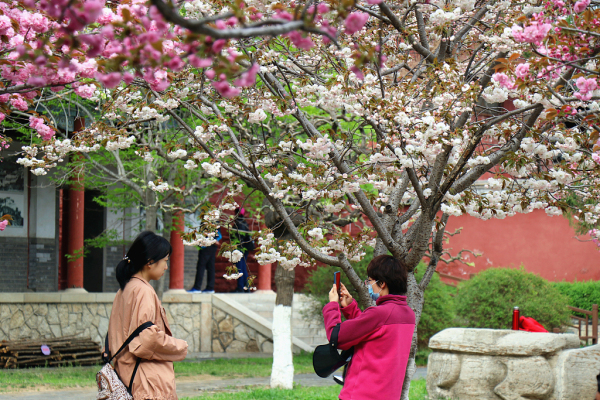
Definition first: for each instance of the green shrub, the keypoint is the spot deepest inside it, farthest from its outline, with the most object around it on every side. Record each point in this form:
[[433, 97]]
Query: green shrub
[[487, 299], [580, 294], [438, 310]]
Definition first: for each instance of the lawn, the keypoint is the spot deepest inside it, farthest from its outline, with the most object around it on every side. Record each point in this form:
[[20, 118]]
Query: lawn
[[66, 377], [417, 392]]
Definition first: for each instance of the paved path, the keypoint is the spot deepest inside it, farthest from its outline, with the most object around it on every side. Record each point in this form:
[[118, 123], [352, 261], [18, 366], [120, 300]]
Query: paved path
[[185, 389]]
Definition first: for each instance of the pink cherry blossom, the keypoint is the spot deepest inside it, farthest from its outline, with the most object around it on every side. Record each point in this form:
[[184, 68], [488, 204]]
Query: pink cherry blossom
[[581, 5], [355, 22], [373, 2], [522, 70], [586, 87], [3, 225], [503, 80], [44, 130], [110, 80], [85, 91], [198, 62], [225, 89], [248, 78], [19, 103], [534, 33], [299, 41]]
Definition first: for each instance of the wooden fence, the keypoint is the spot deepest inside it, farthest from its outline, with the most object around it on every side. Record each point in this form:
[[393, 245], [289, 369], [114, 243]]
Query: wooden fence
[[588, 315]]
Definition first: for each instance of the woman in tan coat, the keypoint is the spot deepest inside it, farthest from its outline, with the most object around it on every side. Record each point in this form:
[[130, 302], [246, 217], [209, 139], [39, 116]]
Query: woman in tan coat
[[135, 303]]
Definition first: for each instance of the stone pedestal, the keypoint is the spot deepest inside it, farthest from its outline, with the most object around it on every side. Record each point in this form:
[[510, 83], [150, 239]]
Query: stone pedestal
[[488, 364]]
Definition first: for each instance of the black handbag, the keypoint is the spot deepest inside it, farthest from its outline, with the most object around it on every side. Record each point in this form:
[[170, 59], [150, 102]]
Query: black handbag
[[327, 359]]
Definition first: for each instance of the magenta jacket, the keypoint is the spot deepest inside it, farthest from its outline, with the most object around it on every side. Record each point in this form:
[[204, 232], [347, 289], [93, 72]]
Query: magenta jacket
[[381, 337]]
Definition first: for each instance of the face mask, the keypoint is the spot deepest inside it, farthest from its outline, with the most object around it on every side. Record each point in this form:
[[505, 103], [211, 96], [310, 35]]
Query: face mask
[[373, 295]]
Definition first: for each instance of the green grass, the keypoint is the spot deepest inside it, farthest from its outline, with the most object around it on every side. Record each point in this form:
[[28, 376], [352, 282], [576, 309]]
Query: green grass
[[417, 392], [68, 377]]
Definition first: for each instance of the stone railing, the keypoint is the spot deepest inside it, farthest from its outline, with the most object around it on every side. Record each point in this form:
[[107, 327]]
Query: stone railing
[[488, 364], [210, 323]]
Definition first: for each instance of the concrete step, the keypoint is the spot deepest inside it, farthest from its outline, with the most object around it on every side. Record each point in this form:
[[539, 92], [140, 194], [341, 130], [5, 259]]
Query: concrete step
[[263, 303]]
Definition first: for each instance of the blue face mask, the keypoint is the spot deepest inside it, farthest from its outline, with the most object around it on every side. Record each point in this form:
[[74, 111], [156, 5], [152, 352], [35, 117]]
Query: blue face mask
[[373, 295]]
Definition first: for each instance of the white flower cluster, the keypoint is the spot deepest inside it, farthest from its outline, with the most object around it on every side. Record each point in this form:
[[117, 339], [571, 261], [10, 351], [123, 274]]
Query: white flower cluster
[[169, 104], [233, 256], [177, 154], [190, 164], [206, 239], [149, 113], [257, 116], [120, 143], [316, 233], [161, 187], [216, 170], [440, 17]]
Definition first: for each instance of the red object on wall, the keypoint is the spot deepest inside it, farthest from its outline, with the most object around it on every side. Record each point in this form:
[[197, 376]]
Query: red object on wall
[[178, 254], [515, 319], [530, 325]]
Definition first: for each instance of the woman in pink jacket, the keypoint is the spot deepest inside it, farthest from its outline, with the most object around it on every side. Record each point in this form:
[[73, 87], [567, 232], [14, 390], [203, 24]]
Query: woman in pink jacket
[[381, 335], [136, 303]]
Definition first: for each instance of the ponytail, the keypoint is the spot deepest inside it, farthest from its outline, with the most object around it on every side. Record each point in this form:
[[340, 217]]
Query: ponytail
[[147, 247]]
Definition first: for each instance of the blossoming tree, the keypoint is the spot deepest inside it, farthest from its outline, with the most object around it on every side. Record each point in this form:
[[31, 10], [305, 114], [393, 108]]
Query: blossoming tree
[[407, 113]]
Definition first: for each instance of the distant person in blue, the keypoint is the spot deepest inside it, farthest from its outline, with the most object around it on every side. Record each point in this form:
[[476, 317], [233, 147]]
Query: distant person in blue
[[241, 232], [206, 261]]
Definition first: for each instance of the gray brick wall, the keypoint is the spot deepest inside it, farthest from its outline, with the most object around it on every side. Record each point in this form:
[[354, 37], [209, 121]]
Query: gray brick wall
[[13, 264], [43, 266]]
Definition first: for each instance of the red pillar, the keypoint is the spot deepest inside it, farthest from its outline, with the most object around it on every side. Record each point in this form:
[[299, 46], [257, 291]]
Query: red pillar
[[177, 256], [264, 277], [75, 225]]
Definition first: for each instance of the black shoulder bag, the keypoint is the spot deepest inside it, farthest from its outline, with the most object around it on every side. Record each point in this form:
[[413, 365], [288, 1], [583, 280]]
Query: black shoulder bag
[[327, 359]]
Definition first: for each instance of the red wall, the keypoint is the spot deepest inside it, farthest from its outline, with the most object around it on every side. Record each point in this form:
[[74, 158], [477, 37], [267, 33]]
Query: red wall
[[542, 244]]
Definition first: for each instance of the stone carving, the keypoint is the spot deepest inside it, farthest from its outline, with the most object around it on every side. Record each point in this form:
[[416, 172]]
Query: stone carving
[[487, 364]]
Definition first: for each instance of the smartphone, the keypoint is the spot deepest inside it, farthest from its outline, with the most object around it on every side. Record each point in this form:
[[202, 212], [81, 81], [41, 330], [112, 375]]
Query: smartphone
[[337, 279]]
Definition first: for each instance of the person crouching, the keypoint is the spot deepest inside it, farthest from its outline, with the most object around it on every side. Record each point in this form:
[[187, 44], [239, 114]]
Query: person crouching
[[381, 335]]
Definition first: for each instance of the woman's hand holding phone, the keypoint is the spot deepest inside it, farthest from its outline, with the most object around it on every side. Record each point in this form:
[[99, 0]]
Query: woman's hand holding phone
[[346, 297], [333, 295]]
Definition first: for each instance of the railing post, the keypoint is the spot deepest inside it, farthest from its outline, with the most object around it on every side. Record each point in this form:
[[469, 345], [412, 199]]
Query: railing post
[[595, 324]]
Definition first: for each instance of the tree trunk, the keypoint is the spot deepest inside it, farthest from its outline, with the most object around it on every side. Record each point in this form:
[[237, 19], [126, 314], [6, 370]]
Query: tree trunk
[[415, 299], [151, 210], [282, 374]]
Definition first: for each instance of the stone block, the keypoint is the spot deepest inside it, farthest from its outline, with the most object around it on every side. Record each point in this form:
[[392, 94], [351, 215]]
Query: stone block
[[474, 364], [500, 342], [267, 346], [218, 315], [216, 346], [576, 372], [226, 325], [215, 330], [236, 346], [252, 346], [240, 333], [226, 338], [17, 320]]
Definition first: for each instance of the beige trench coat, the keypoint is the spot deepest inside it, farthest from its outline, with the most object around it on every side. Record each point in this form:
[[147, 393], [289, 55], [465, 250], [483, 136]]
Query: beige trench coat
[[155, 378]]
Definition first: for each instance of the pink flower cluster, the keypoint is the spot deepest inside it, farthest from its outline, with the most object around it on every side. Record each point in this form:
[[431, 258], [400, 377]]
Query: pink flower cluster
[[534, 33], [44, 130], [581, 5], [503, 80], [355, 22], [522, 71], [3, 225], [586, 87]]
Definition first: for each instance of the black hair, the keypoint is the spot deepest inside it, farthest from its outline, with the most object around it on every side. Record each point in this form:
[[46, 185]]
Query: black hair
[[147, 247], [387, 269]]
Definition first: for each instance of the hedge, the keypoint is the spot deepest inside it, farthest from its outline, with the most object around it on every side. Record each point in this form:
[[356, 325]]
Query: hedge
[[487, 299]]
